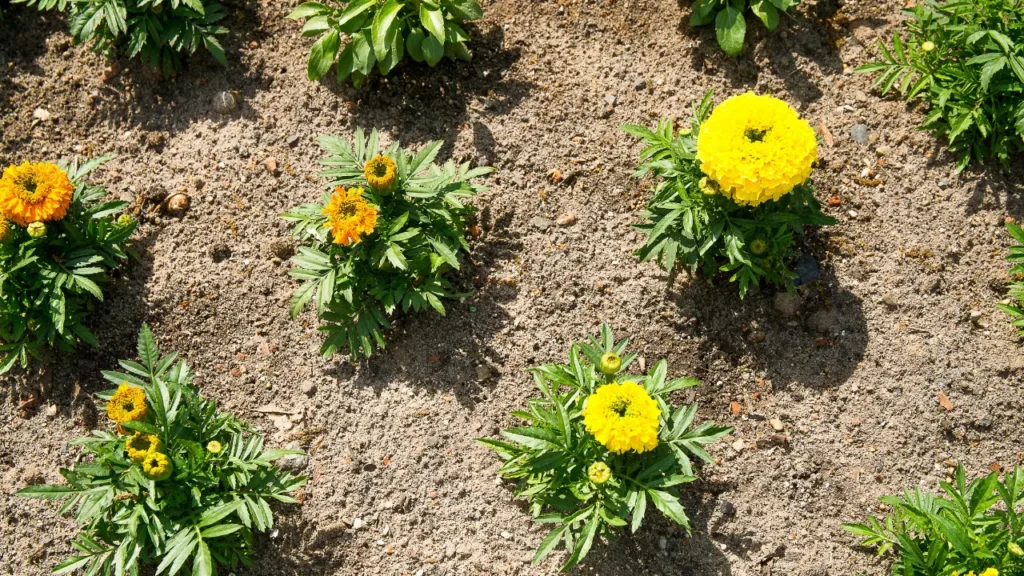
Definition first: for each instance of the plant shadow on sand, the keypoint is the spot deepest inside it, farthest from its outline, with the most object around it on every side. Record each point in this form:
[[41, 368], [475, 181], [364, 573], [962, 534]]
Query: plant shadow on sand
[[417, 103], [451, 354], [139, 96], [664, 548], [800, 52], [23, 32], [814, 341]]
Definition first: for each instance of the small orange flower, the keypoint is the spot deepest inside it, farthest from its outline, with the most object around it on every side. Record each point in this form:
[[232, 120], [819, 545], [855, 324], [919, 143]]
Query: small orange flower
[[349, 216]]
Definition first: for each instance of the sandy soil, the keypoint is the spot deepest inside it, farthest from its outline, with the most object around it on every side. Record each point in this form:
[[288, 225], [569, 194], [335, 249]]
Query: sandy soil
[[853, 368]]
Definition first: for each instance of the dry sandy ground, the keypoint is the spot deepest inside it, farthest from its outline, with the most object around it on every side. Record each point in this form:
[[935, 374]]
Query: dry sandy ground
[[853, 368]]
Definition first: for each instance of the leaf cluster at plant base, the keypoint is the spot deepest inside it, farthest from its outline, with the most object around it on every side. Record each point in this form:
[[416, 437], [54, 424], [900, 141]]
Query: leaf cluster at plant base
[[203, 515], [381, 34], [972, 528], [685, 224], [549, 456], [402, 265], [159, 32], [49, 285], [730, 25], [965, 58]]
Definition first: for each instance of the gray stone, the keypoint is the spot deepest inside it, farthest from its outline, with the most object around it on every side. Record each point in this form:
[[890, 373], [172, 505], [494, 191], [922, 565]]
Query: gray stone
[[728, 509], [821, 321], [294, 462], [541, 223], [860, 133], [226, 102], [787, 304], [308, 388], [220, 252]]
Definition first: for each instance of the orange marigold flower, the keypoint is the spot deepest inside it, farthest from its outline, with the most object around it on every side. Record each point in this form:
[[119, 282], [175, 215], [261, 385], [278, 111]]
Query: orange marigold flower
[[35, 192], [349, 216], [380, 172]]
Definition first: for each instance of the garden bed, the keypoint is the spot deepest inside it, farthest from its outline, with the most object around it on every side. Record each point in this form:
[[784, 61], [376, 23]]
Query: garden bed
[[890, 369]]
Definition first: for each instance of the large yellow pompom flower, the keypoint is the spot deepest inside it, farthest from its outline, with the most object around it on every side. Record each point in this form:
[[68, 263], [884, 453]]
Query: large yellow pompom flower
[[349, 216], [128, 404], [35, 192], [140, 444], [157, 466], [380, 172], [623, 417], [756, 148]]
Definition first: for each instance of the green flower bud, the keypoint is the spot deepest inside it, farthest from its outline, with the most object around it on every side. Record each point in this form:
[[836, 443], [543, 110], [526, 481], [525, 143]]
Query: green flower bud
[[1015, 549], [37, 229], [124, 220], [599, 473], [610, 363]]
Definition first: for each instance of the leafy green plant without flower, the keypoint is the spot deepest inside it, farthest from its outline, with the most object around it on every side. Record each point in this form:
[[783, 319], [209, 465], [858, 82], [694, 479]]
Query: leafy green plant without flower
[[386, 244], [202, 512], [730, 25], [1016, 288], [965, 58], [159, 32], [975, 528], [381, 32], [584, 481], [49, 284]]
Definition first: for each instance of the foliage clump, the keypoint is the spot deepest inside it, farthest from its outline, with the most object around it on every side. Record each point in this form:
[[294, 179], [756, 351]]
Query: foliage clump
[[975, 528], [59, 243], [180, 485], [732, 190], [383, 239], [730, 25], [1016, 257], [380, 33], [965, 59], [601, 444], [159, 32]]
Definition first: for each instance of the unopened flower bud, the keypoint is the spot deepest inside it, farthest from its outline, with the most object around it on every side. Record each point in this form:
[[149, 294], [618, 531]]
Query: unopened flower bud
[[599, 473], [124, 220], [214, 447], [1015, 549], [610, 363], [928, 46], [37, 229]]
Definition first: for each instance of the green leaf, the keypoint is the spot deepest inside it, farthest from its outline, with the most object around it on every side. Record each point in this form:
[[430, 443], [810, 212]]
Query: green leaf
[[433, 50], [414, 43], [464, 10], [220, 530], [433, 21], [203, 564], [445, 252], [548, 544], [48, 491], [308, 10], [669, 506], [321, 56], [638, 511], [385, 27], [730, 29], [767, 13]]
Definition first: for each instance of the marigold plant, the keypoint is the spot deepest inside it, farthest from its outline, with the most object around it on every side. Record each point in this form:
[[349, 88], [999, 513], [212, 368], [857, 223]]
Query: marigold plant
[[380, 33], [1016, 308], [59, 241], [150, 495], [730, 25], [159, 32], [965, 59], [976, 528], [383, 239], [600, 444], [732, 190]]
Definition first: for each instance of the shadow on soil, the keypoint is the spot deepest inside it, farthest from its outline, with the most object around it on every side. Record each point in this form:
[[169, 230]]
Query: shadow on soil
[[999, 188], [24, 32], [420, 104], [816, 342], [800, 51], [678, 554]]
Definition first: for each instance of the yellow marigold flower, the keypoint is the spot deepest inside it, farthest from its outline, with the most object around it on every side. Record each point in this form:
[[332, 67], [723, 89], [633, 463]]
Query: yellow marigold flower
[[599, 473], [157, 466], [756, 148], [928, 46], [380, 172], [139, 445], [128, 404], [990, 572], [623, 417], [214, 447], [349, 216], [36, 229], [5, 229], [34, 192], [610, 363]]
